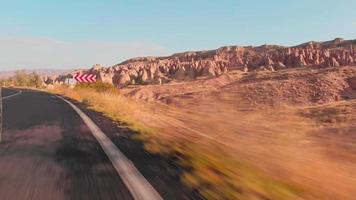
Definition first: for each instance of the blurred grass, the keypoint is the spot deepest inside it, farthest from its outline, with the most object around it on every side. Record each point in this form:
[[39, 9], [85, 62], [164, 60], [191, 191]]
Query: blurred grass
[[229, 150]]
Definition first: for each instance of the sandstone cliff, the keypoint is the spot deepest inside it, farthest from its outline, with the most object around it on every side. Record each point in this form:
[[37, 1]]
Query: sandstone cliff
[[192, 65]]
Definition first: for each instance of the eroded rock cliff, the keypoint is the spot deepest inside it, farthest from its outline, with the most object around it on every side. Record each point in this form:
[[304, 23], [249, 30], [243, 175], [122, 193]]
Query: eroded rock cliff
[[192, 65]]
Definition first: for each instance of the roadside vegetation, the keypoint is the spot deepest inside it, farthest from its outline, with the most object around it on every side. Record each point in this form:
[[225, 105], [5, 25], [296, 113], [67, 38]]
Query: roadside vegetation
[[23, 79], [229, 150]]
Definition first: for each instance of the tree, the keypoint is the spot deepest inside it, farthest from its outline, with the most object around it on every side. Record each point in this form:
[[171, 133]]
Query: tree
[[24, 79], [21, 78], [35, 80]]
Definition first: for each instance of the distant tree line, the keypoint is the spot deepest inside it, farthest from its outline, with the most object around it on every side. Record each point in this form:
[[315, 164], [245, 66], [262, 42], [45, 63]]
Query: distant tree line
[[23, 79]]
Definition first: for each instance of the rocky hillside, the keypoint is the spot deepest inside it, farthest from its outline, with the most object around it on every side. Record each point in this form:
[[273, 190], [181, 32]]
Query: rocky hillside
[[193, 65]]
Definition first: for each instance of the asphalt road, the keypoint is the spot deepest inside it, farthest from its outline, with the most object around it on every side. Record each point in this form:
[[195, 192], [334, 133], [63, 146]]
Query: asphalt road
[[8, 92], [48, 152]]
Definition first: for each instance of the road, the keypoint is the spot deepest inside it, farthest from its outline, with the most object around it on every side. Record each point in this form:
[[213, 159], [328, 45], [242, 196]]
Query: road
[[48, 152]]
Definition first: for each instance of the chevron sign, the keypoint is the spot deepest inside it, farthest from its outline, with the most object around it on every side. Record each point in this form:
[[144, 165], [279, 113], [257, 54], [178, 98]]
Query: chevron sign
[[85, 78]]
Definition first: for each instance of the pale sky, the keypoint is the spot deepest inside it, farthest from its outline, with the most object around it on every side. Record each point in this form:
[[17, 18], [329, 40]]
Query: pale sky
[[71, 34]]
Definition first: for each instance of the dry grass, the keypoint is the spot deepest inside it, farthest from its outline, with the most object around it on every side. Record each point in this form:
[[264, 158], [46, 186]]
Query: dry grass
[[231, 151]]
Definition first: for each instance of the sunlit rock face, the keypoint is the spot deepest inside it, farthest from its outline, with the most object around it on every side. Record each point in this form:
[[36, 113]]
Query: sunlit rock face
[[192, 65]]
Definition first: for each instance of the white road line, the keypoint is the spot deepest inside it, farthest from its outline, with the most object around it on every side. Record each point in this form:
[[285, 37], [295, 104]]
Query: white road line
[[12, 95], [139, 187]]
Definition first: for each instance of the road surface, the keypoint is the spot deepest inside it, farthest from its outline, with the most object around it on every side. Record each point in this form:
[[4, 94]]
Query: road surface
[[48, 152]]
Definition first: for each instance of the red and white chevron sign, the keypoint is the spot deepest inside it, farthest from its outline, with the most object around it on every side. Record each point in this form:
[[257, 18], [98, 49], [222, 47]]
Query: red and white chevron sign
[[85, 78]]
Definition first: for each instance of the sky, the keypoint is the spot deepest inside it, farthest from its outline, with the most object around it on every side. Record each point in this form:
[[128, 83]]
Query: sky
[[79, 33]]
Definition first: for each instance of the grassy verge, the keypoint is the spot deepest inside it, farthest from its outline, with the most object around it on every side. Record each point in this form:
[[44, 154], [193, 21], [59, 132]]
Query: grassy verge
[[228, 153]]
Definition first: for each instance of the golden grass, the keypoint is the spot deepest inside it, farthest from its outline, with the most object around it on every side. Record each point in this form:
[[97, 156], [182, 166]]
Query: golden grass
[[231, 150]]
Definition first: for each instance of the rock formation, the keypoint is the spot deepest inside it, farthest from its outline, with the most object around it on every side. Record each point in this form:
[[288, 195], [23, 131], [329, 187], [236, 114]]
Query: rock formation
[[352, 83], [191, 65]]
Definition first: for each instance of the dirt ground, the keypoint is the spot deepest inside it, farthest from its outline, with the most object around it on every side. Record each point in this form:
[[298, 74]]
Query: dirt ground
[[305, 136], [298, 86]]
